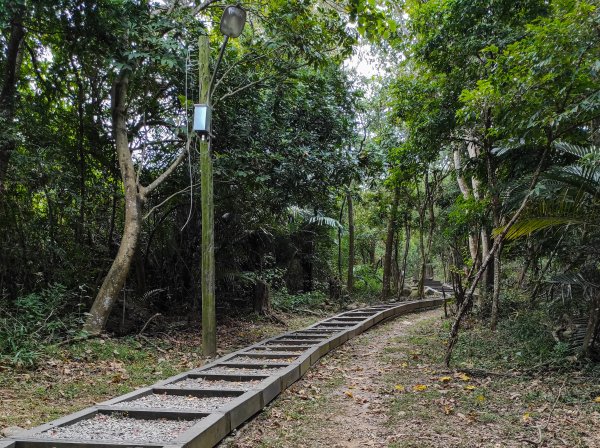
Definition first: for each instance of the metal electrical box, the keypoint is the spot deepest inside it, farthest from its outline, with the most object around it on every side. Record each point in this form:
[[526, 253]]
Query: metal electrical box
[[202, 119]]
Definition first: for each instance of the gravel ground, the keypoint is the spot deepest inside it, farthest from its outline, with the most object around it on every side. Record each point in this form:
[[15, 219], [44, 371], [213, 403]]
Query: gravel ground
[[114, 427], [311, 337], [321, 333], [276, 352], [223, 370], [202, 383], [178, 402], [262, 361]]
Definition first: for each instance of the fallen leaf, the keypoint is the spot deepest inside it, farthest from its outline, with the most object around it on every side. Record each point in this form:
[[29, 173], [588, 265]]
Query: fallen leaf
[[349, 394], [480, 398], [446, 379], [464, 376], [469, 387], [597, 399], [399, 387], [420, 387], [526, 417]]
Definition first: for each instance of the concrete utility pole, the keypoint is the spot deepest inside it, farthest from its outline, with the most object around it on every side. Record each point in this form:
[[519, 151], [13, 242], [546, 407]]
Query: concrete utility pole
[[209, 324]]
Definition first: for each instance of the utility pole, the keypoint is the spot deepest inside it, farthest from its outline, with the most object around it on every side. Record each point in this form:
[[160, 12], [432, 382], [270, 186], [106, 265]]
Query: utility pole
[[209, 324]]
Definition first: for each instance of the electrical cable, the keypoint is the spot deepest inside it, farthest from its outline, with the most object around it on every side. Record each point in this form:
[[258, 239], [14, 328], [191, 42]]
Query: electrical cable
[[187, 132]]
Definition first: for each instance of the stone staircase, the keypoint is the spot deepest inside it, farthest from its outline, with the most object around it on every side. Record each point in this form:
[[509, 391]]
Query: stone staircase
[[198, 408]]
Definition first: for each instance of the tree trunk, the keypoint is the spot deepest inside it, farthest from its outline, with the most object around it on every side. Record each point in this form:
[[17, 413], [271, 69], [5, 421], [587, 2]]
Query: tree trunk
[[423, 262], [115, 279], [339, 235], [497, 219], [262, 298], [402, 281], [351, 249], [466, 192], [396, 262], [8, 95], [496, 293], [525, 267], [80, 225], [389, 246], [487, 280], [593, 325]]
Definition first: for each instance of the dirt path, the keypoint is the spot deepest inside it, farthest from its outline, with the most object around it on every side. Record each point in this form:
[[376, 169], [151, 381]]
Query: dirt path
[[386, 388], [341, 403]]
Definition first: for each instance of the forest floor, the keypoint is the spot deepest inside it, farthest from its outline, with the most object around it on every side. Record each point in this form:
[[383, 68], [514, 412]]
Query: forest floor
[[71, 378], [386, 388]]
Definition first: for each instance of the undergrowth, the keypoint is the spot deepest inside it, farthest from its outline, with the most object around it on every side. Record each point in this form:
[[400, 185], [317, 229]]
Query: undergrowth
[[35, 321], [285, 301], [522, 341]]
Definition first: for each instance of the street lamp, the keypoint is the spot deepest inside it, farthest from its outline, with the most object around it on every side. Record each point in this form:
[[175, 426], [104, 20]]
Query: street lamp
[[232, 25], [233, 21]]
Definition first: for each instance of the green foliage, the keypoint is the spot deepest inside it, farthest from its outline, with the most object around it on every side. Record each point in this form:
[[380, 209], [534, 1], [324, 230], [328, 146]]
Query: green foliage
[[373, 22], [33, 321], [313, 218], [368, 281], [284, 301], [523, 340], [284, 113]]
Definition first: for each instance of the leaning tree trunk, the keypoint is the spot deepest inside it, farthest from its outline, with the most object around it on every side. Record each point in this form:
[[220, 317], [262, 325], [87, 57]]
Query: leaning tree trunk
[[8, 94], [351, 249], [115, 279], [389, 247]]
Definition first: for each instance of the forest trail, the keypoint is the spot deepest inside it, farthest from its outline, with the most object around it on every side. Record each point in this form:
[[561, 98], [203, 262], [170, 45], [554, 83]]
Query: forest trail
[[343, 402], [385, 388]]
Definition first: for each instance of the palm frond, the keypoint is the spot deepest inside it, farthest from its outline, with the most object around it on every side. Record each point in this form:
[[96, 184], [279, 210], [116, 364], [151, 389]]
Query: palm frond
[[528, 226], [570, 279], [576, 150], [307, 216], [584, 178]]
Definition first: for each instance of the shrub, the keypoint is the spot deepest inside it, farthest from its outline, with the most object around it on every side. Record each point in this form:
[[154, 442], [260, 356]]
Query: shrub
[[285, 301], [34, 321]]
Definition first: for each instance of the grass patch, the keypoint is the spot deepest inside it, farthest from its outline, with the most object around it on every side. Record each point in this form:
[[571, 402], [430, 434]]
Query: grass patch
[[504, 405], [522, 341]]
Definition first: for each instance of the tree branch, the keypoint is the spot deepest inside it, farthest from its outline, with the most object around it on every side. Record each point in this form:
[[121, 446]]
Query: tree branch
[[236, 91], [156, 207], [145, 191]]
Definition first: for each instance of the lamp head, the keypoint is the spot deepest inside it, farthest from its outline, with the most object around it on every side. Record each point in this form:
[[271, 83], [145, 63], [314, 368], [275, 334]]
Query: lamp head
[[233, 21]]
